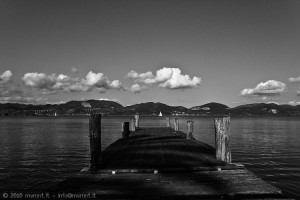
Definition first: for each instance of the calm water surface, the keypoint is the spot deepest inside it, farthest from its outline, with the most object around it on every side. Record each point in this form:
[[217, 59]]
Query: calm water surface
[[36, 153]]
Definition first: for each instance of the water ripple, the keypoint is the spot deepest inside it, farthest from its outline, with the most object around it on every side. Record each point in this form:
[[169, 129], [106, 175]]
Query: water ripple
[[36, 152]]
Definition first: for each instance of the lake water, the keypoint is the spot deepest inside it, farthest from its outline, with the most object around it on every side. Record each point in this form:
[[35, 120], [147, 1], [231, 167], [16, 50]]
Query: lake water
[[36, 153]]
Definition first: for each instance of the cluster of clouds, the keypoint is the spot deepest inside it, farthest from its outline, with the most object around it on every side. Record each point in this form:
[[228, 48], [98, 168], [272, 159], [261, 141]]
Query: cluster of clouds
[[167, 77], [264, 90], [294, 103], [269, 88], [53, 83], [5, 77], [170, 78], [10, 92]]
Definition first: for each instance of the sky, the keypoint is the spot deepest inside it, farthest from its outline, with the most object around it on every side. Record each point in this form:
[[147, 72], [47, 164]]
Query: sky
[[178, 52]]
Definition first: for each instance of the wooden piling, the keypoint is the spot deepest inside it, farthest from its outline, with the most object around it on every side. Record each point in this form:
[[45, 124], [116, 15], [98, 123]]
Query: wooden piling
[[176, 124], [95, 140], [168, 121], [125, 130], [137, 118], [189, 134], [222, 140], [132, 124]]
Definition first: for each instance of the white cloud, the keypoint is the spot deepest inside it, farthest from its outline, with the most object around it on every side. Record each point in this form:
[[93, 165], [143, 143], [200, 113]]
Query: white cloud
[[135, 88], [53, 82], [269, 88], [177, 80], [98, 80], [273, 102], [5, 77], [116, 84], [101, 82], [139, 77], [166, 77], [107, 99], [40, 80], [145, 75], [132, 74], [294, 103], [293, 80]]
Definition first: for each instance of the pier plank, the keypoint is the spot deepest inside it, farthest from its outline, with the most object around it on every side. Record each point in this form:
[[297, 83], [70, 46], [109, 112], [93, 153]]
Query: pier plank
[[205, 184], [158, 148]]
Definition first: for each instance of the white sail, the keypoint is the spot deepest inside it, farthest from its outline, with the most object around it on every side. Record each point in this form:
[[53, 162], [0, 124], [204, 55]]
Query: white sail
[[160, 114]]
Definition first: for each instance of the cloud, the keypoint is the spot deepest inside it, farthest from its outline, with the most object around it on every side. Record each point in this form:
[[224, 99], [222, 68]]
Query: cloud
[[273, 102], [132, 74], [177, 80], [13, 93], [96, 79], [269, 88], [5, 77], [49, 84], [139, 77], [107, 99], [23, 100], [294, 103], [170, 78], [294, 80], [264, 98], [135, 88], [41, 80], [116, 84], [11, 90], [74, 70]]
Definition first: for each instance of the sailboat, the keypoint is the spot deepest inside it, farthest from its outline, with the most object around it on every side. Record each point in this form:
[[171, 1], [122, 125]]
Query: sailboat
[[160, 114]]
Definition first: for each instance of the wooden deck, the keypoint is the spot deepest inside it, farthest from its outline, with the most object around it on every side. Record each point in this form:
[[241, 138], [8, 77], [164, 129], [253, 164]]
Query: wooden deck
[[159, 163], [158, 148]]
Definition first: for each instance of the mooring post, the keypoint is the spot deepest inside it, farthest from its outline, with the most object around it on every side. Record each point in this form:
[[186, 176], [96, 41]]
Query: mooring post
[[137, 118], [95, 140], [132, 124], [222, 134], [125, 130], [189, 134], [176, 124], [168, 121]]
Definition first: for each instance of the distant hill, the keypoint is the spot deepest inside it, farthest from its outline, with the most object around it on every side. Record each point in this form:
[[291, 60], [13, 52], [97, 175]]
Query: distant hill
[[265, 109], [69, 108], [74, 108], [212, 108], [102, 104], [151, 108]]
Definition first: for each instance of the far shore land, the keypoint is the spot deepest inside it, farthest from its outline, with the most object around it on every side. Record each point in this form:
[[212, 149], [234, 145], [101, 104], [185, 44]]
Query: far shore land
[[111, 108]]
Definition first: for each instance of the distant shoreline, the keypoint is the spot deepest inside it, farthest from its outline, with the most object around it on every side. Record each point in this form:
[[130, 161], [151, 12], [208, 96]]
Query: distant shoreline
[[85, 108]]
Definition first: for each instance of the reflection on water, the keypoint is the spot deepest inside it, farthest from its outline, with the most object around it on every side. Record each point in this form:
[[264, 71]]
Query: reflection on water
[[38, 152]]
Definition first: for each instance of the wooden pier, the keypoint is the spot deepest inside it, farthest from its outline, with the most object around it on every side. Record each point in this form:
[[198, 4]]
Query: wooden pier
[[163, 163]]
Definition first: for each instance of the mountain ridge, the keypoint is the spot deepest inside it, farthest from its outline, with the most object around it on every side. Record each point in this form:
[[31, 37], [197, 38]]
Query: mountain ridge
[[74, 108]]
